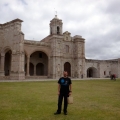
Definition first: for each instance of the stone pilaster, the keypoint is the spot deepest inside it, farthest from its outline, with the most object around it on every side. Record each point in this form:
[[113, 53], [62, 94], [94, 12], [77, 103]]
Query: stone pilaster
[[17, 67], [49, 68], [2, 64], [28, 65]]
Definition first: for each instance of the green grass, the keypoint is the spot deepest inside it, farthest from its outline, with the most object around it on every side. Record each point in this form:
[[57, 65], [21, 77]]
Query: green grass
[[93, 100]]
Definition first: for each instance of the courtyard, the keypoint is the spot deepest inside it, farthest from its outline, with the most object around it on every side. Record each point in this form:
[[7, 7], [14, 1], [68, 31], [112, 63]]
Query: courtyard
[[37, 100]]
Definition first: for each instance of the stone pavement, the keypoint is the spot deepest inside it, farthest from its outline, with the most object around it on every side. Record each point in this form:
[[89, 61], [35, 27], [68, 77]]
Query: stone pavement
[[28, 80]]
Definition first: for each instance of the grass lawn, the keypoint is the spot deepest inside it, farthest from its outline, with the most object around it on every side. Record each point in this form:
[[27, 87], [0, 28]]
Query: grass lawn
[[93, 100]]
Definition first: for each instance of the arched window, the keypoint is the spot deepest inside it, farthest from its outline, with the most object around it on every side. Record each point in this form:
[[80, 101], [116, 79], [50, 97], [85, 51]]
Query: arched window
[[40, 55], [58, 30]]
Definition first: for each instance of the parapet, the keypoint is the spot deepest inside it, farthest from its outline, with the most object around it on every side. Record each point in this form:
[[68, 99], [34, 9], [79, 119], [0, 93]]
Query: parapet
[[78, 38], [38, 43]]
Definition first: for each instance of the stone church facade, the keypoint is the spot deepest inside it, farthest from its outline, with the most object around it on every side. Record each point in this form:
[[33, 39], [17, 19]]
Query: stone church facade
[[48, 58]]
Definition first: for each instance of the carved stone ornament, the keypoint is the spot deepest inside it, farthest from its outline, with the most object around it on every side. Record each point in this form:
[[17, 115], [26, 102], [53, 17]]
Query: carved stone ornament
[[67, 36]]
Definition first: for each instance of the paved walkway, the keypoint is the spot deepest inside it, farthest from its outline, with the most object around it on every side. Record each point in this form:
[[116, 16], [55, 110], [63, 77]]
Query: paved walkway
[[27, 80]]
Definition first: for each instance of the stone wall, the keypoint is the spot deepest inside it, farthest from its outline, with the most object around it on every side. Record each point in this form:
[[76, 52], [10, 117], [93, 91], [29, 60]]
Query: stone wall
[[12, 39], [104, 68]]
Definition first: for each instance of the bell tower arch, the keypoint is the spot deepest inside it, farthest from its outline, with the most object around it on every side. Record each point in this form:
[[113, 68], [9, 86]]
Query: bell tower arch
[[56, 26]]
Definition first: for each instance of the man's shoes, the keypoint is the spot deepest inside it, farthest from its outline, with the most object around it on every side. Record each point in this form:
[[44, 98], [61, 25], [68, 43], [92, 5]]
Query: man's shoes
[[57, 113], [65, 113]]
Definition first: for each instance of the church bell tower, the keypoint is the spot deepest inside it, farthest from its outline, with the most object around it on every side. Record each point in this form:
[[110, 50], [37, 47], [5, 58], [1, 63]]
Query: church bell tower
[[56, 26]]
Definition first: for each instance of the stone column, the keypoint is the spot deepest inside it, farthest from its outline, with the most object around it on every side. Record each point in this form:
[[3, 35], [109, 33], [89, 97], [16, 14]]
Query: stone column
[[2, 64], [34, 70], [28, 64]]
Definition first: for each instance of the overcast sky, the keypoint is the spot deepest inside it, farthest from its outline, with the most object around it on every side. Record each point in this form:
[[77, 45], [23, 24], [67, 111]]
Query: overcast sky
[[98, 21]]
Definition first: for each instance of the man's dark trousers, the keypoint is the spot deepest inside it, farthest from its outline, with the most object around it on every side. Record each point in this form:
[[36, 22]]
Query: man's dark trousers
[[60, 99]]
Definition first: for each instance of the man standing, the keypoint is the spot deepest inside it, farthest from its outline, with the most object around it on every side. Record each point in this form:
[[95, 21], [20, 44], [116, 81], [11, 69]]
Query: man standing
[[64, 90]]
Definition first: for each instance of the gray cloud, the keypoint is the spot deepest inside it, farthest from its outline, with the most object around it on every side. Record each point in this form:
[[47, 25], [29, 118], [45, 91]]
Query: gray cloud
[[95, 20]]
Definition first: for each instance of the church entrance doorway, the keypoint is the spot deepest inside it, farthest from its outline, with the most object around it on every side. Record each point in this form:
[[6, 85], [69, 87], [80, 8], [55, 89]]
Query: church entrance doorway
[[67, 67], [92, 72]]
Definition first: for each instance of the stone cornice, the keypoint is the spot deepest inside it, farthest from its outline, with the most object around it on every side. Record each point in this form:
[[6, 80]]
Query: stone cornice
[[13, 21]]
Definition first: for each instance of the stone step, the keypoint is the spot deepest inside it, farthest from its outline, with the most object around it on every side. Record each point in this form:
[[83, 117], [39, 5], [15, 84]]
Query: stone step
[[36, 77]]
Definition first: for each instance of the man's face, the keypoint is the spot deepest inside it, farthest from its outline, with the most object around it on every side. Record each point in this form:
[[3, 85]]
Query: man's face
[[65, 73]]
